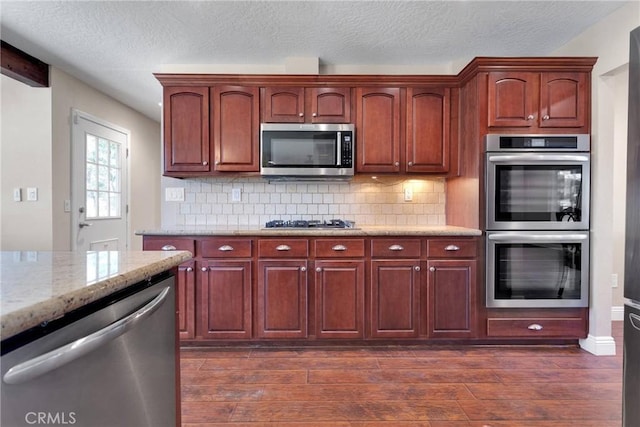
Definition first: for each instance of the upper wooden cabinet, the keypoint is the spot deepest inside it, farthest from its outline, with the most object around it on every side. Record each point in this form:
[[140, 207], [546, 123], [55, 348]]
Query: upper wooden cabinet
[[413, 136], [538, 100], [186, 129], [306, 105], [236, 125]]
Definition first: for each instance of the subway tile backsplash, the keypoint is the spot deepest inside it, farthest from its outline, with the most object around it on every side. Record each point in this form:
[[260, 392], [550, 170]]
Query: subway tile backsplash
[[367, 201]]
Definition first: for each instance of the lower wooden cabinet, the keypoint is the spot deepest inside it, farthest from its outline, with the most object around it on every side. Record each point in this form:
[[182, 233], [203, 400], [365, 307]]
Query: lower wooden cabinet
[[567, 323], [224, 299], [186, 287], [282, 299], [339, 299], [395, 298], [452, 299]]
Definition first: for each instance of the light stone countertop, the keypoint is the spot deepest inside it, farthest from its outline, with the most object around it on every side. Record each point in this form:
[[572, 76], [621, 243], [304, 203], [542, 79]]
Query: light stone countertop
[[378, 230], [37, 287]]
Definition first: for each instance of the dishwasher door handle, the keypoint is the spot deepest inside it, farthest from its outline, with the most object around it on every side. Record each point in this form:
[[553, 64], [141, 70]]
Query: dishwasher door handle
[[54, 359]]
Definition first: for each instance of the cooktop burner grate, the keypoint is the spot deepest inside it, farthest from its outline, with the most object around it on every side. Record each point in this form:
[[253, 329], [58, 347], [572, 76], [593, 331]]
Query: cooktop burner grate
[[302, 223]]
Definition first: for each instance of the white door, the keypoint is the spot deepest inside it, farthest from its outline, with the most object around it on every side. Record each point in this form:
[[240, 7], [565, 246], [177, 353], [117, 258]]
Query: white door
[[99, 203]]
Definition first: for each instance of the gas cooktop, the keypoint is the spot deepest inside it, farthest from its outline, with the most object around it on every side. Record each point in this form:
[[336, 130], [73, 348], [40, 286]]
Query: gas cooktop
[[302, 223]]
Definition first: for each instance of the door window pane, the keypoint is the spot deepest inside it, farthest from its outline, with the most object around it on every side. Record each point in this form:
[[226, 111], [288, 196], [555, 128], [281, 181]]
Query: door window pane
[[103, 178]]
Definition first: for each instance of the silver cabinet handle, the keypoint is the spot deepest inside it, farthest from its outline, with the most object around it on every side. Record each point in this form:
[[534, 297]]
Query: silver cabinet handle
[[225, 248], [452, 248], [530, 117], [534, 327], [204, 269], [318, 269], [168, 248], [189, 269], [300, 114], [339, 248], [410, 164], [545, 117], [283, 248], [432, 269], [396, 164], [314, 114], [396, 248], [416, 268], [303, 268], [85, 224], [205, 163], [59, 357]]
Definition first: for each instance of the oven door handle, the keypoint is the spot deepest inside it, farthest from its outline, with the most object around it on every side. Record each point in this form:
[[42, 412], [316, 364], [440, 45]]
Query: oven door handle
[[538, 158], [538, 237]]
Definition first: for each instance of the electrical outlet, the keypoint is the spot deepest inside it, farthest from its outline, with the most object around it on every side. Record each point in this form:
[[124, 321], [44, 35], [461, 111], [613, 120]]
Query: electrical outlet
[[32, 194], [614, 280], [236, 194], [174, 194], [67, 205], [408, 194]]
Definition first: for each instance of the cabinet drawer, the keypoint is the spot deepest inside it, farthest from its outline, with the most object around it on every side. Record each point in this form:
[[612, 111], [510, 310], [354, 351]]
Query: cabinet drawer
[[225, 248], [168, 244], [569, 327], [395, 248], [451, 248], [339, 248], [283, 248]]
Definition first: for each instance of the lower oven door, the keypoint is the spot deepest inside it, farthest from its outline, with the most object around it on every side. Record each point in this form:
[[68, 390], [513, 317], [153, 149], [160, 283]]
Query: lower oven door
[[537, 269]]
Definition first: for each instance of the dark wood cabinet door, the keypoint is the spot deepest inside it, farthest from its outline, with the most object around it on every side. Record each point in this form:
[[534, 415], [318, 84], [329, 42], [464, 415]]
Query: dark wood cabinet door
[[339, 287], [378, 130], [236, 126], [185, 284], [452, 295], [563, 100], [282, 298], [330, 105], [186, 129], [395, 298], [283, 105], [428, 135], [513, 99], [224, 300]]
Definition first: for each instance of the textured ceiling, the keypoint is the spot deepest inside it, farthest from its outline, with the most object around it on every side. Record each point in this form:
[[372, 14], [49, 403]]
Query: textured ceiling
[[115, 46]]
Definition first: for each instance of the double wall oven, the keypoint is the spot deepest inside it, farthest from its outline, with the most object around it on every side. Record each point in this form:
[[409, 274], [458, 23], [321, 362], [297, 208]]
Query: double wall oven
[[537, 220]]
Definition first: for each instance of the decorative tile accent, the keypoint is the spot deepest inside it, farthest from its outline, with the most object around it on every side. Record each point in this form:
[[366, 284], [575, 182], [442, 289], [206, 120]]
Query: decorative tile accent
[[365, 200]]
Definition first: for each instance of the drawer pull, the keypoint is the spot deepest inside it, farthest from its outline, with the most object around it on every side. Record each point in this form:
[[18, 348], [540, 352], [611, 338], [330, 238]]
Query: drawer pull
[[168, 248], [452, 248], [283, 248], [534, 327], [339, 248], [189, 269], [396, 248], [432, 269], [204, 269], [225, 248], [303, 268], [416, 268]]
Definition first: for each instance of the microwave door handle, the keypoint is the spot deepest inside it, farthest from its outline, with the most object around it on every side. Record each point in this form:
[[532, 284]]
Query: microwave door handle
[[339, 148], [538, 158], [538, 237]]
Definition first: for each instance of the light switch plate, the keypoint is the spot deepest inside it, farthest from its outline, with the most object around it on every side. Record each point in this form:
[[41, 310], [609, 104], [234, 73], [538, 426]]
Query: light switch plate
[[236, 194], [408, 194], [174, 194], [17, 194], [32, 194]]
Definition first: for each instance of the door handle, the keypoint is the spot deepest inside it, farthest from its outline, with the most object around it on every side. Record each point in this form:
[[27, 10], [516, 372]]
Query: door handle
[[85, 224], [54, 359], [634, 319]]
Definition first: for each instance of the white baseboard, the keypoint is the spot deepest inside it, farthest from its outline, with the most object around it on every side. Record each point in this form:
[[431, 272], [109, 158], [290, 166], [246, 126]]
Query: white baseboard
[[600, 346], [617, 313]]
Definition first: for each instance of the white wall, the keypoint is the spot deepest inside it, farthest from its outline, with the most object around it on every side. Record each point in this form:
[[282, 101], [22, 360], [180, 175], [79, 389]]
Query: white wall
[[144, 149], [25, 147], [609, 41]]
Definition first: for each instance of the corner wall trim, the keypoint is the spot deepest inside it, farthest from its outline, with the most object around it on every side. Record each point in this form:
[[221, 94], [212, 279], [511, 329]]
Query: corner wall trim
[[600, 346], [617, 313]]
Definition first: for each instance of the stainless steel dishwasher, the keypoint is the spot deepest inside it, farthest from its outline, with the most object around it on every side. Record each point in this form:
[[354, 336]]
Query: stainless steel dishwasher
[[111, 363]]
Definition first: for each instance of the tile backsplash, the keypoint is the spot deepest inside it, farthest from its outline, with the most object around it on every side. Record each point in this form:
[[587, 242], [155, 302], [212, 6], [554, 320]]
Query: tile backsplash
[[365, 200]]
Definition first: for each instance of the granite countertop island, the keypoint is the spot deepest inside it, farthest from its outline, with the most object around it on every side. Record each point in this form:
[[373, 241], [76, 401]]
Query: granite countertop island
[[375, 230], [37, 287]]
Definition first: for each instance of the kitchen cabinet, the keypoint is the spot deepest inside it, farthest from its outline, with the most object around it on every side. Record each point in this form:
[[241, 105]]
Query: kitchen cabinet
[[395, 288], [236, 128], [451, 288], [378, 130], [224, 299], [186, 288], [306, 105], [186, 130], [537, 102], [567, 323], [396, 136], [339, 288], [282, 288]]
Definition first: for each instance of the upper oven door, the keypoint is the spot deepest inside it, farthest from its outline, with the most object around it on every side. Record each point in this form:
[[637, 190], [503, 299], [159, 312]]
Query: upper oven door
[[537, 191]]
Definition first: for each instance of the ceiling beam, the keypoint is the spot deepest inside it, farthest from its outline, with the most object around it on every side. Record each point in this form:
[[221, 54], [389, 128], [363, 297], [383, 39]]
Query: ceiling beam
[[22, 66]]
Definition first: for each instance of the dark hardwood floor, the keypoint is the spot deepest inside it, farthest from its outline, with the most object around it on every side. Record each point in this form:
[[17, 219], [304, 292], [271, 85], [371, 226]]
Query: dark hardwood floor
[[402, 386]]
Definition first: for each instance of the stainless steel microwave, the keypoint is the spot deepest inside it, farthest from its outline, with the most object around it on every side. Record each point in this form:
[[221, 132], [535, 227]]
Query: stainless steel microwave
[[307, 150]]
